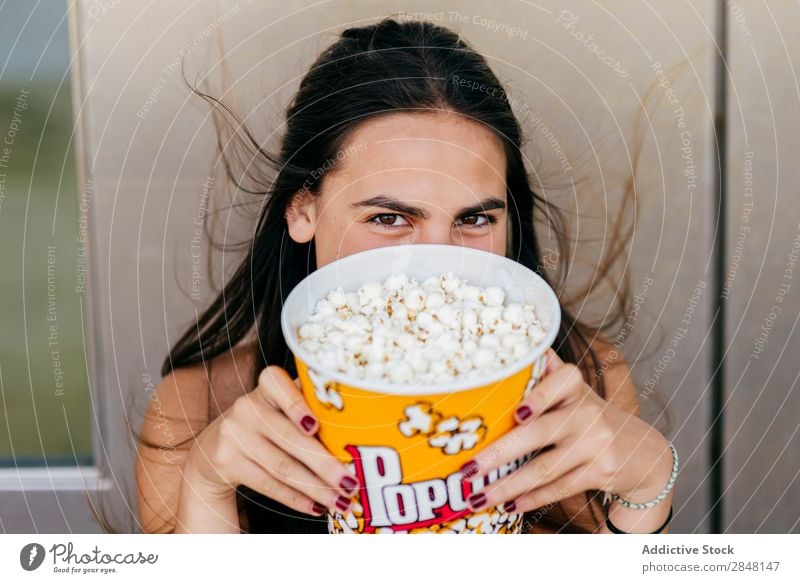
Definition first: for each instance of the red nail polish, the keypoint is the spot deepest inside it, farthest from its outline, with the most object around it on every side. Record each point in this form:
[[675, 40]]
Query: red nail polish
[[524, 412], [469, 469], [318, 508], [308, 422], [348, 484], [342, 503], [509, 506], [477, 500]]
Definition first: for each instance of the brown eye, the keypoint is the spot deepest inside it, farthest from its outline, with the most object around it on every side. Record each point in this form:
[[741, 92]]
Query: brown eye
[[388, 220], [471, 221]]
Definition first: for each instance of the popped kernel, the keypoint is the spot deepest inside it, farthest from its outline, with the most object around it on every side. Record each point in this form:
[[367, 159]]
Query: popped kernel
[[403, 331]]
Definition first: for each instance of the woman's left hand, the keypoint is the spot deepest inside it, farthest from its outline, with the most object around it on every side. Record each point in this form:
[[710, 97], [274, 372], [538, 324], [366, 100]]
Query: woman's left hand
[[595, 445]]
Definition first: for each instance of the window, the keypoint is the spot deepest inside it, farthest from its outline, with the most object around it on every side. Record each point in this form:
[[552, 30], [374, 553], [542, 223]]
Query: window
[[45, 394]]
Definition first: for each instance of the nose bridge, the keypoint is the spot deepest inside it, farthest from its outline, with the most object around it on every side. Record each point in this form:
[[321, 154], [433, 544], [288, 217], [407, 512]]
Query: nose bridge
[[438, 229]]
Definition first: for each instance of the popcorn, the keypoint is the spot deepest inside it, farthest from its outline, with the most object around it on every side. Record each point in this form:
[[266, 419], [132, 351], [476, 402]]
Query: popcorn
[[490, 316], [432, 283], [368, 292], [489, 341], [508, 341], [482, 357], [448, 316], [417, 362], [467, 293], [403, 331], [519, 350], [469, 320], [396, 282], [400, 372], [351, 301], [450, 282], [325, 309], [414, 298], [336, 338], [512, 313], [434, 299], [493, 296], [354, 344], [311, 330], [406, 341], [337, 298]]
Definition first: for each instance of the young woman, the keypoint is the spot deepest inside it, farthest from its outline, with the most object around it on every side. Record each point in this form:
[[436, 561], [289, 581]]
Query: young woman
[[399, 133]]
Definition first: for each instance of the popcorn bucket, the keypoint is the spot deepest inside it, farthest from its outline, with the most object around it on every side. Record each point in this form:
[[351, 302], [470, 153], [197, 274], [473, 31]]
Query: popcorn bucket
[[407, 442]]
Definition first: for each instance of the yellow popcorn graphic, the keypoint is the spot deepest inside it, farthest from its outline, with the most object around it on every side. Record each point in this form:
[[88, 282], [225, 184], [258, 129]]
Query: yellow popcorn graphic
[[451, 434], [325, 390], [454, 436], [420, 418]]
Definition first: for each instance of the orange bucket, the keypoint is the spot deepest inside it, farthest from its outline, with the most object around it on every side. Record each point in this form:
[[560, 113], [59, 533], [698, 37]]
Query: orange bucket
[[407, 442]]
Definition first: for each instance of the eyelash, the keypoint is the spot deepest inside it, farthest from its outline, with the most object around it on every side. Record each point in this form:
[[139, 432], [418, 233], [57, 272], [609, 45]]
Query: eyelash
[[489, 220]]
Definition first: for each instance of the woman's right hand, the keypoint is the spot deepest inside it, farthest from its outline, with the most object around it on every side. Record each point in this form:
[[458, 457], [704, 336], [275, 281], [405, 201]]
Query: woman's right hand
[[265, 441]]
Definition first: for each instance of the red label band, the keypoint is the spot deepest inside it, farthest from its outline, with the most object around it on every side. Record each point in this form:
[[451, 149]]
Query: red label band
[[388, 502]]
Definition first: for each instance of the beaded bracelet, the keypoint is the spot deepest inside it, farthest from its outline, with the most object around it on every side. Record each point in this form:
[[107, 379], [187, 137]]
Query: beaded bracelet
[[649, 504]]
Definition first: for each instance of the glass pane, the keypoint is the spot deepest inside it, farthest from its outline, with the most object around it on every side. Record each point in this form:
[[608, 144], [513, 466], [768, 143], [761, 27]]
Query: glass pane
[[46, 411]]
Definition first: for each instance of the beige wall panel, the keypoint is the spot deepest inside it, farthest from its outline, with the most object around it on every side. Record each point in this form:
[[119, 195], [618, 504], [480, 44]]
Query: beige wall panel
[[762, 397]]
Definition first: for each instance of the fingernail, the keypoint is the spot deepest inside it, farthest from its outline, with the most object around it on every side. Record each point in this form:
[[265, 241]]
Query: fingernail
[[469, 469], [477, 500], [348, 484], [342, 503], [509, 506], [318, 508], [524, 412], [308, 422]]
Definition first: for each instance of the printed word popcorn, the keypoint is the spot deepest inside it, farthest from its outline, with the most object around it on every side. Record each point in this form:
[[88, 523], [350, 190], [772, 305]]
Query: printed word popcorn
[[404, 331]]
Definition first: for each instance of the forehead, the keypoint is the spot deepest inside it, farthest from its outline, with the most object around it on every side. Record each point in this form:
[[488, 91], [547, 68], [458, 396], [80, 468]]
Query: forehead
[[428, 147]]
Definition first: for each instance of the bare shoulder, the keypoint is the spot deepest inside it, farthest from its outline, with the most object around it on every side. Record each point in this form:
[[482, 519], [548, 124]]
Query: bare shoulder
[[180, 407], [176, 408]]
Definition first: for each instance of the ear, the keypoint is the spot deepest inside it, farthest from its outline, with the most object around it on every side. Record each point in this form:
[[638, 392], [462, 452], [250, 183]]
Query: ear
[[301, 216]]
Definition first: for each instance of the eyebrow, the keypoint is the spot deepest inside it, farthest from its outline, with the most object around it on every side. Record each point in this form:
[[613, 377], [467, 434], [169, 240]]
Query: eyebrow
[[487, 204]]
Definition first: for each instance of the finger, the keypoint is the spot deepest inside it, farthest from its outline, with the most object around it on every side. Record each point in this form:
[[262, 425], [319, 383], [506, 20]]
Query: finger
[[289, 471], [281, 432], [572, 483], [281, 392], [554, 361], [256, 478], [564, 385], [552, 427], [543, 469]]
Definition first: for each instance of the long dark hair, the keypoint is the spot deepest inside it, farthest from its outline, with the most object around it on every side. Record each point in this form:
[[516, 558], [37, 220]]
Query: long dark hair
[[380, 69]]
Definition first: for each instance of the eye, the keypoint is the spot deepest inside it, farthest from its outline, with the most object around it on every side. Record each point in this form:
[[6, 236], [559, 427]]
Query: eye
[[473, 221], [387, 221]]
